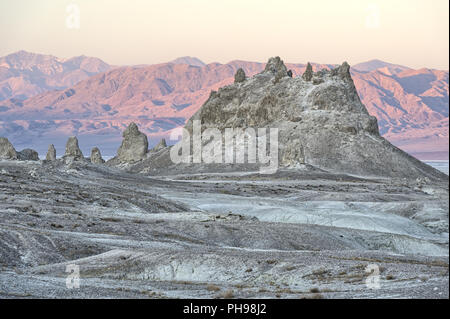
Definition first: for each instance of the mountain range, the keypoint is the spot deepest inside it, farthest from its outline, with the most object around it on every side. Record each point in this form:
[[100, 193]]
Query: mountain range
[[44, 99], [24, 74]]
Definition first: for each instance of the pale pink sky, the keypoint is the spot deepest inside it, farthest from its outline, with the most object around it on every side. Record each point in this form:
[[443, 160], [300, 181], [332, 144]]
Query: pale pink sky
[[409, 32]]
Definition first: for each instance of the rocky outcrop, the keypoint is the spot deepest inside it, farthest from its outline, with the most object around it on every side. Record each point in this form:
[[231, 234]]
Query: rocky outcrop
[[7, 150], [73, 150], [308, 74], [321, 123], [239, 76], [28, 155], [161, 145], [51, 153], [96, 156], [134, 145], [275, 65]]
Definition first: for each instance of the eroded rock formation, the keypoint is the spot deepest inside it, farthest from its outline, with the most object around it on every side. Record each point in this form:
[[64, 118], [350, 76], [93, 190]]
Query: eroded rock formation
[[308, 74], [320, 118], [7, 150], [28, 155], [51, 153], [73, 150], [134, 145], [96, 156], [239, 76], [161, 145]]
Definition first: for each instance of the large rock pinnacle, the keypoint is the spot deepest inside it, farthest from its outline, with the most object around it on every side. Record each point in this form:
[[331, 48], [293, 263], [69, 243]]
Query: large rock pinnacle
[[7, 151], [51, 153], [320, 120], [134, 145], [239, 76], [276, 66], [72, 149], [96, 156], [308, 74]]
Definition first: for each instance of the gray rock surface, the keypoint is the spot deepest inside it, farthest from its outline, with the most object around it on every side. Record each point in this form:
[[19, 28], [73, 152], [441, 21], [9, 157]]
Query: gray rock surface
[[275, 65], [96, 156], [73, 150], [134, 145], [323, 124], [308, 74], [7, 150], [161, 145], [28, 155], [51, 153], [239, 76]]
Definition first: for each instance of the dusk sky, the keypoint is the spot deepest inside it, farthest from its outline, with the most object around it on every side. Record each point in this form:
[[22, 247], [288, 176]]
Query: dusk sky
[[407, 32]]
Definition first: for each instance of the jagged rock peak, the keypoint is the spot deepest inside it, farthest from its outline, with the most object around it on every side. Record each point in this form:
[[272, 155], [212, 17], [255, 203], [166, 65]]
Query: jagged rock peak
[[321, 122], [28, 155], [276, 66], [96, 156], [7, 150], [72, 149], [239, 76], [343, 71], [161, 145], [308, 74], [131, 130], [51, 153], [134, 145]]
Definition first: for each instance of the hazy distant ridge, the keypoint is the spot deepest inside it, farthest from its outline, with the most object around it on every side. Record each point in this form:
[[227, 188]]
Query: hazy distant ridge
[[411, 105]]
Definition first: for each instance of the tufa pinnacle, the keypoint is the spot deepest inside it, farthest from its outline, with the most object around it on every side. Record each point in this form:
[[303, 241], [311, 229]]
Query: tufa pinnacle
[[308, 74], [72, 149], [96, 156], [134, 145], [276, 66], [51, 153], [239, 76]]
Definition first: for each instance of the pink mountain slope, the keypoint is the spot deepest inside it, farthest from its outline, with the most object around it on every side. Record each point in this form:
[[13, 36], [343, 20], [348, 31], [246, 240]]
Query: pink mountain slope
[[24, 74], [411, 105]]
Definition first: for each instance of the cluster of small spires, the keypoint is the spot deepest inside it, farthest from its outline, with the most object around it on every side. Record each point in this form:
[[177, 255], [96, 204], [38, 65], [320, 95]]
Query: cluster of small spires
[[72, 151], [276, 66]]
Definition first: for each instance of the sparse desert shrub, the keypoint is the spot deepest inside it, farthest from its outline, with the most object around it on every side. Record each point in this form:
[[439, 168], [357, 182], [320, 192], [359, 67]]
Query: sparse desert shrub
[[327, 290], [289, 268], [312, 296], [212, 288], [286, 291], [262, 290], [228, 294], [320, 272], [110, 219]]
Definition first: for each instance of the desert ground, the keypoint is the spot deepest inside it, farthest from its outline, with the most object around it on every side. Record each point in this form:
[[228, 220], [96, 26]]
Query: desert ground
[[301, 233]]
